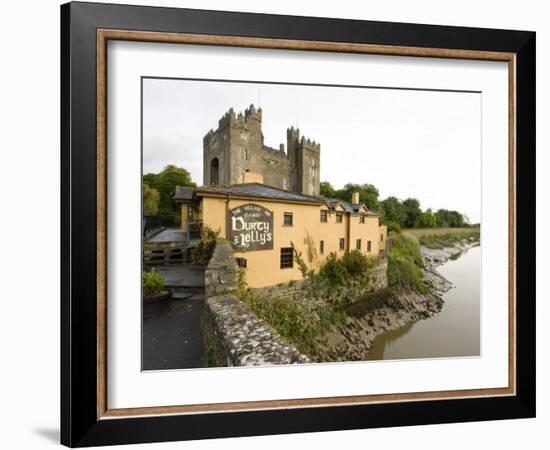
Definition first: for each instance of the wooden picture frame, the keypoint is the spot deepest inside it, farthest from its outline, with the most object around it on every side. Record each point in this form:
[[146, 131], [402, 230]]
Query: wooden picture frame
[[85, 416]]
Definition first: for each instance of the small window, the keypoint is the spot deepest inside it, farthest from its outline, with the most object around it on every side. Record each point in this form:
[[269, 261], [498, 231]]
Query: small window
[[381, 238], [321, 247], [287, 259], [358, 244], [287, 222], [324, 215], [241, 262], [361, 219], [368, 246], [339, 217], [342, 243]]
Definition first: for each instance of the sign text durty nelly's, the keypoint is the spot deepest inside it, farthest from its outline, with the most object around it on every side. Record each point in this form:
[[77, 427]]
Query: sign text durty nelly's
[[251, 228]]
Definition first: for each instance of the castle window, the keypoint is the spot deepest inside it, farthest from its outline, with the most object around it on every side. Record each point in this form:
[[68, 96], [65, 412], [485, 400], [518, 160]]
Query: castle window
[[246, 154], [324, 215], [358, 244], [321, 247], [339, 217], [361, 219], [287, 220], [215, 171], [381, 238], [368, 246], [342, 243], [287, 258]]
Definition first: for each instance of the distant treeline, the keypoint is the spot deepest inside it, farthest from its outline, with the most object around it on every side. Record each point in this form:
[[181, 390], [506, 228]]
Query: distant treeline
[[397, 213]]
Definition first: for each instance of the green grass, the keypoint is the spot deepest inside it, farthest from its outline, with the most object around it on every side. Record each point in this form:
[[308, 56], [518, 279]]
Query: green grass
[[442, 237], [298, 321], [405, 265]]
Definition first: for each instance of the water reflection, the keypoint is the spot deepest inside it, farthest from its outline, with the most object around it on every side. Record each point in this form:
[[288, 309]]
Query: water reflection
[[455, 331]]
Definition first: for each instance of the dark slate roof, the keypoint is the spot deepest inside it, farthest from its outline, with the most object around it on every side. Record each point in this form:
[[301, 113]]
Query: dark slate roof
[[184, 193], [348, 206], [333, 203], [258, 190]]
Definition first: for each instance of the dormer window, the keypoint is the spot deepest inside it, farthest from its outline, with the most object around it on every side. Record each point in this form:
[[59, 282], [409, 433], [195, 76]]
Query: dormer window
[[361, 218]]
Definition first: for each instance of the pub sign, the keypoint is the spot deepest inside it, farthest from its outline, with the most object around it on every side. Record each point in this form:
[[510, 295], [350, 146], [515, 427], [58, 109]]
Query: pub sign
[[251, 228]]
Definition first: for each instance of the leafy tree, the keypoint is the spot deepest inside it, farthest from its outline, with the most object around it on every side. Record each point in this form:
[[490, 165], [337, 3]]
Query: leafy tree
[[393, 226], [426, 220], [446, 218], [326, 189], [165, 183], [393, 211], [150, 200], [368, 193], [411, 208]]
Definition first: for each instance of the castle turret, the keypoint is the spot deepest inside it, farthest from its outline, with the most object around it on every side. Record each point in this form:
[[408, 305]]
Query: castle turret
[[237, 147]]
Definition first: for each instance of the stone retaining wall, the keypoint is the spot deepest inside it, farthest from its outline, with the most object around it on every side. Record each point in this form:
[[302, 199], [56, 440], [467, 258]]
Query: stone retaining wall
[[233, 334], [239, 338], [378, 278], [222, 271]]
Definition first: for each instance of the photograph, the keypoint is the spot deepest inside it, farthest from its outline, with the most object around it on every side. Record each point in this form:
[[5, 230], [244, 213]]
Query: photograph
[[288, 223]]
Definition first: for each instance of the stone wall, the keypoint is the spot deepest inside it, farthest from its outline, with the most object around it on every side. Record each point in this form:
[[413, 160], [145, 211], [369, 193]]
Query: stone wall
[[378, 278], [239, 338], [233, 334], [222, 271]]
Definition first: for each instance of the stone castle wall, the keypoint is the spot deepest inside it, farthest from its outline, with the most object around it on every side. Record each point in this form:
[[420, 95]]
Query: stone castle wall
[[238, 145]]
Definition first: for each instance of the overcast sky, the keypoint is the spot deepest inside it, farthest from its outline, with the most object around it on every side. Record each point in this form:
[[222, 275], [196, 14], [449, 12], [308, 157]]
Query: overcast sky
[[407, 143]]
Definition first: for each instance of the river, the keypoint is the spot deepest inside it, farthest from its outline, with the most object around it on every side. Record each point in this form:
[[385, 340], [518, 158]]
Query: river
[[452, 332]]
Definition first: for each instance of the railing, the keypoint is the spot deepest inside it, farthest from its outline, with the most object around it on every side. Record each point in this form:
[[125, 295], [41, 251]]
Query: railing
[[152, 223], [166, 253]]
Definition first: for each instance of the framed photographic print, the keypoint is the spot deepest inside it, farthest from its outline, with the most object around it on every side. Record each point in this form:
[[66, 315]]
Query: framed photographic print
[[277, 224]]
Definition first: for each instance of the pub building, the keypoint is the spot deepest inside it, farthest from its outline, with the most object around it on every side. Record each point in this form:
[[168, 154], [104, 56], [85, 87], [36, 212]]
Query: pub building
[[262, 223]]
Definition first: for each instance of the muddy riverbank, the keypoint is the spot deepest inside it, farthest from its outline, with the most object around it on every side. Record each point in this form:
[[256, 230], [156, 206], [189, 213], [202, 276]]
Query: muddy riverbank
[[353, 341]]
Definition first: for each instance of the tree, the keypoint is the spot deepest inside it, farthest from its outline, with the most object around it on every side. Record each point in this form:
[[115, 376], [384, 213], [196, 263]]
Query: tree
[[393, 211], [426, 220], [165, 183], [326, 189], [150, 200], [447, 218], [368, 193], [411, 207]]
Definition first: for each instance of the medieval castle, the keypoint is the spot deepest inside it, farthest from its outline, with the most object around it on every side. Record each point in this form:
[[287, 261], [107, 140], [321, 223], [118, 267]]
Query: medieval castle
[[236, 152]]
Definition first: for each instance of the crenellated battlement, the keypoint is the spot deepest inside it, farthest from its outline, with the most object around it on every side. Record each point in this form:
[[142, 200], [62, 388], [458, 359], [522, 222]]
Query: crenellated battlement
[[237, 145]]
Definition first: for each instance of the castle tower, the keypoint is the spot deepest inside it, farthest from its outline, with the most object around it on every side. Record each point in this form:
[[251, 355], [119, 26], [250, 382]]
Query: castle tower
[[305, 157], [236, 149]]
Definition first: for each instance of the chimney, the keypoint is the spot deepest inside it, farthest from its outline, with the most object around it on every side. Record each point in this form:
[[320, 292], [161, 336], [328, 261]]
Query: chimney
[[355, 197]]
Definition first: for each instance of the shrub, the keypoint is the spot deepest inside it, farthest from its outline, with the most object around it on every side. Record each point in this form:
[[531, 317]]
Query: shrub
[[356, 263], [153, 283], [203, 251], [393, 226], [405, 265], [334, 270], [298, 321]]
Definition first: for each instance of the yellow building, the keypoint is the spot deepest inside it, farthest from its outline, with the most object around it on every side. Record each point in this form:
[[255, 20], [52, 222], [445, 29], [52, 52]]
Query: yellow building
[[263, 223]]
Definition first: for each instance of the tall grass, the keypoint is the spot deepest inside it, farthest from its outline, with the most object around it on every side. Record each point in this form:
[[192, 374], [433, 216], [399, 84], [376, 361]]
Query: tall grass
[[449, 239], [405, 265]]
